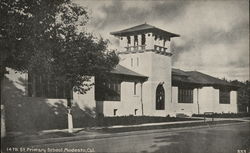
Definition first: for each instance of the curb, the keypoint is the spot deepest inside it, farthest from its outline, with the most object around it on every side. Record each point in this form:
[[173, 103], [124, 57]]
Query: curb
[[112, 135]]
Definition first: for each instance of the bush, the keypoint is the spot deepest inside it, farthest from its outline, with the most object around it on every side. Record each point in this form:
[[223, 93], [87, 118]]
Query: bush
[[133, 120], [224, 115]]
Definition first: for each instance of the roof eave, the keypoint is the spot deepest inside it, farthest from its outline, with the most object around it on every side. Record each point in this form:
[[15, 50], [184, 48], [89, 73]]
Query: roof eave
[[131, 77], [120, 33]]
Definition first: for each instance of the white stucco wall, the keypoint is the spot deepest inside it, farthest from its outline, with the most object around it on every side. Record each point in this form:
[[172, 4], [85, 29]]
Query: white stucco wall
[[128, 103], [20, 82], [122, 43], [158, 69], [183, 108], [24, 113], [207, 99], [150, 41]]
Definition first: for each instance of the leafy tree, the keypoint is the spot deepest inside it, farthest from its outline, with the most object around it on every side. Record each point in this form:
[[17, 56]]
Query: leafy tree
[[243, 94], [46, 36]]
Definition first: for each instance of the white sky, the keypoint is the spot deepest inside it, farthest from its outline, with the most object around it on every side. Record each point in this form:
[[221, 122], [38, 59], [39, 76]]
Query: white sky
[[214, 34]]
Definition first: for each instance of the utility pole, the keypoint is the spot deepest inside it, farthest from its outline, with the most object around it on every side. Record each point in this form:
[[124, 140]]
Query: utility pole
[[3, 126], [142, 111], [70, 118]]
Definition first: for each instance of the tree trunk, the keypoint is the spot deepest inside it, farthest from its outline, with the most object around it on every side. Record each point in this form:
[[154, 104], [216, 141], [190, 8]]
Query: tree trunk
[[3, 127]]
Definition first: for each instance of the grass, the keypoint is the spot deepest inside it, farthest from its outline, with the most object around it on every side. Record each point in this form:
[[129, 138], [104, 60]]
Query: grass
[[128, 129], [134, 120]]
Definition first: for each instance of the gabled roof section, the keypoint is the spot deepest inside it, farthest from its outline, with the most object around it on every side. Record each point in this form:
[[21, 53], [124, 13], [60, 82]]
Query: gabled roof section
[[143, 28], [121, 70]]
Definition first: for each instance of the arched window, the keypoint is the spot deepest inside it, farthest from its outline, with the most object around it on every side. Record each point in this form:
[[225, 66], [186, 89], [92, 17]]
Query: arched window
[[160, 97]]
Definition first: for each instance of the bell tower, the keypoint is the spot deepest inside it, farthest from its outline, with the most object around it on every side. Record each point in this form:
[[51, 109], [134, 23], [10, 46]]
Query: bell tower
[[145, 49]]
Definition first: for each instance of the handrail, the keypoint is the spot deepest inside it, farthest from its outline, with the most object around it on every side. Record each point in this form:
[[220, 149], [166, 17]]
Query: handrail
[[135, 48], [160, 48]]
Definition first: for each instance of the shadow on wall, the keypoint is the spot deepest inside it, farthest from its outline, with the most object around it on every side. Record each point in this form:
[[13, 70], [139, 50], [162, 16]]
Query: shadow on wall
[[30, 114]]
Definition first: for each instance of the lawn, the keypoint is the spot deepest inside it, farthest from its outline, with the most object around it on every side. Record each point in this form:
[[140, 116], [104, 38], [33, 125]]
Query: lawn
[[134, 120]]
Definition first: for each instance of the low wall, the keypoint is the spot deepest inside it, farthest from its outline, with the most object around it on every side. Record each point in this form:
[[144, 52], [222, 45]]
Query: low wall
[[23, 113]]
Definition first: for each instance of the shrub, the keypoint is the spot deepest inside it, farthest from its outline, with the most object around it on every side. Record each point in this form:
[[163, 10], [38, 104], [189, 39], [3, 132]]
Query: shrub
[[224, 115], [131, 120]]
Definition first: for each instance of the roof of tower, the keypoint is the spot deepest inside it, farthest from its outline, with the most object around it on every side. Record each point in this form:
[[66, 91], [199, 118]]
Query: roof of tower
[[143, 28]]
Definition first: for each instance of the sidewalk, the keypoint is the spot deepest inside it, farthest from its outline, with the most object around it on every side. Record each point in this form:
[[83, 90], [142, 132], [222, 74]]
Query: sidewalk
[[61, 135]]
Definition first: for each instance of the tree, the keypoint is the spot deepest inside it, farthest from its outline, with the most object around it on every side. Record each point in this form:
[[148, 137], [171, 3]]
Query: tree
[[243, 95], [44, 36]]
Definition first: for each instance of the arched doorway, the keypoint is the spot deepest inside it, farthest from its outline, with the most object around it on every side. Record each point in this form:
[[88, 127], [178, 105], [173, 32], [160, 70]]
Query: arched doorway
[[160, 97]]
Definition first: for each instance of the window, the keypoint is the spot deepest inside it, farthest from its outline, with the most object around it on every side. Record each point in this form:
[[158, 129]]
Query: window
[[164, 42], [224, 96], [107, 90], [134, 88], [156, 37], [129, 40], [49, 87], [115, 110], [185, 95], [136, 111], [135, 40], [143, 39], [160, 97], [132, 62]]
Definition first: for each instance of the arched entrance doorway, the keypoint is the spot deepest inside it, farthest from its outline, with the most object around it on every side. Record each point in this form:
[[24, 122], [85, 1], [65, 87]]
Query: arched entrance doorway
[[160, 97]]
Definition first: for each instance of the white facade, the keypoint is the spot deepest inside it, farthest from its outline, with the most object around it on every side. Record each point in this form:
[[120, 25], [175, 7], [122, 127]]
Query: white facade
[[130, 103], [152, 60], [205, 99], [15, 87]]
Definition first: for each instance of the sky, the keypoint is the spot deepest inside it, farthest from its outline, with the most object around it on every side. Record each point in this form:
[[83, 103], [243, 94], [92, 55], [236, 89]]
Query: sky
[[214, 34]]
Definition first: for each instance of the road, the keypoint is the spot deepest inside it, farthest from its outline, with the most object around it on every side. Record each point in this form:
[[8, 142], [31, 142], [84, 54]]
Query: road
[[220, 139]]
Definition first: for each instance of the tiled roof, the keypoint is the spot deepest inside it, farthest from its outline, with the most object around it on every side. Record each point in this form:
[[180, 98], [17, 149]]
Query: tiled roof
[[183, 77], [125, 71], [179, 72], [143, 27], [195, 77], [207, 79]]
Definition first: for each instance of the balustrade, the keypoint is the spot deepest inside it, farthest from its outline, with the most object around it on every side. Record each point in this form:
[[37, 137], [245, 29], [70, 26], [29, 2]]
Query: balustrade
[[136, 48]]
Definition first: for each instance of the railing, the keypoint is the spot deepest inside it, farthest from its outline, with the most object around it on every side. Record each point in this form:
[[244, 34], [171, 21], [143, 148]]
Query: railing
[[136, 48], [139, 48], [160, 48]]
